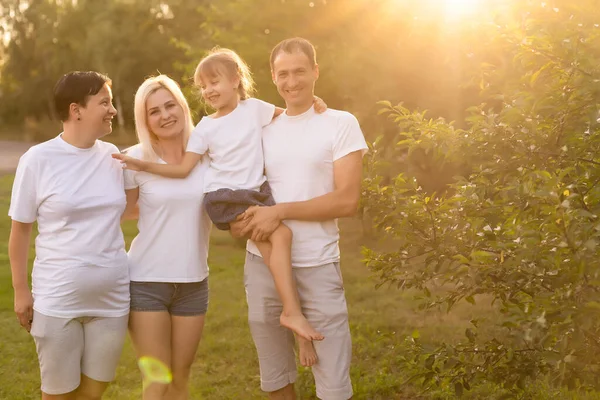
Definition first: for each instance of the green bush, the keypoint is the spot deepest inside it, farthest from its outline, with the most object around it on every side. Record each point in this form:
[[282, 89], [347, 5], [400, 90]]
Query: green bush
[[520, 227]]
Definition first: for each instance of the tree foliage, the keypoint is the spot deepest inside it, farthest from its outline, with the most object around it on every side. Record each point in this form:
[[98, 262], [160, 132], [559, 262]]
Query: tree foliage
[[367, 50], [128, 40], [520, 226]]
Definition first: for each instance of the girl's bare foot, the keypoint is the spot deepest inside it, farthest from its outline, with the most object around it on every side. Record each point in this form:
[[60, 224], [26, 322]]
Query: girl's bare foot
[[306, 352], [300, 326]]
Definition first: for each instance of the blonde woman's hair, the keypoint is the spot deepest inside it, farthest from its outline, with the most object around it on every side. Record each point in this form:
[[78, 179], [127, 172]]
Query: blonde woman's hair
[[225, 62], [147, 138]]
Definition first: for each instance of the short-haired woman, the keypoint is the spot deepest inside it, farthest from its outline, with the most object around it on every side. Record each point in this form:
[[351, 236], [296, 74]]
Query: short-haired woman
[[78, 307]]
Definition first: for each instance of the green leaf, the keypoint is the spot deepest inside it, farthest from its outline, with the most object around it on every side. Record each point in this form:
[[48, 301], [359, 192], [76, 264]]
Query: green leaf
[[429, 361], [384, 103], [536, 75], [458, 389], [460, 258], [470, 335]]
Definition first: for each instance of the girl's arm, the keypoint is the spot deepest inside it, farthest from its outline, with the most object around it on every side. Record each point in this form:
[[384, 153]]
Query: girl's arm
[[131, 209], [181, 170], [18, 253]]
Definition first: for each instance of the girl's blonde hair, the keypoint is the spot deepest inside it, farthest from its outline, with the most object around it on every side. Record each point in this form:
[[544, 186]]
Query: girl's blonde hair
[[146, 137], [225, 62]]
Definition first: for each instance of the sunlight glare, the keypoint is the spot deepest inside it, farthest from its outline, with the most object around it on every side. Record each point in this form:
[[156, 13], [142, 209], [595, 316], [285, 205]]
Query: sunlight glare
[[459, 8]]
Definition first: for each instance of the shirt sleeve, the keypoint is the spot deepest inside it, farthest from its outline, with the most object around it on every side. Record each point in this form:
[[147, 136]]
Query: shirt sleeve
[[264, 110], [24, 196], [197, 142], [129, 179], [349, 138]]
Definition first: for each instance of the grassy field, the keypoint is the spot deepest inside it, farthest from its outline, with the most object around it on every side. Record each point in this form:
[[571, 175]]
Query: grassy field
[[226, 366]]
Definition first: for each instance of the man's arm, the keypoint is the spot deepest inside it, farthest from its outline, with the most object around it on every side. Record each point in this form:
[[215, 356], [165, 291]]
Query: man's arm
[[342, 202]]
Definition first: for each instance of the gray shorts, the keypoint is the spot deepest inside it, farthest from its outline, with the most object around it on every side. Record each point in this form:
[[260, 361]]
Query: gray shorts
[[69, 347], [182, 299], [323, 303]]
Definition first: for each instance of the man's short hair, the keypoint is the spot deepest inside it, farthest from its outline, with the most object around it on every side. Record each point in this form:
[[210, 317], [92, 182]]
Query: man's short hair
[[295, 44], [75, 87]]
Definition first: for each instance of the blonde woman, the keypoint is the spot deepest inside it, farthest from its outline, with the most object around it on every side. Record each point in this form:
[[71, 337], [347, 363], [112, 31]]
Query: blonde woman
[[168, 257]]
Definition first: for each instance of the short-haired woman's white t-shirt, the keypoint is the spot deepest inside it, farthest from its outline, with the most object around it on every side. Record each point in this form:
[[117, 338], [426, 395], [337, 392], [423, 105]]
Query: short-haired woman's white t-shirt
[[174, 230], [77, 198], [234, 146]]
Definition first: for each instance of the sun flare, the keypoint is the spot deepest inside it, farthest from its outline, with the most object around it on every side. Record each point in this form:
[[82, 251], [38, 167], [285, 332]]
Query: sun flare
[[459, 8]]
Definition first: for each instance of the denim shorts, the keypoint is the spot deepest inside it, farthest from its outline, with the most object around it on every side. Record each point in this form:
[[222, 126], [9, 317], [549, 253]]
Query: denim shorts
[[182, 299]]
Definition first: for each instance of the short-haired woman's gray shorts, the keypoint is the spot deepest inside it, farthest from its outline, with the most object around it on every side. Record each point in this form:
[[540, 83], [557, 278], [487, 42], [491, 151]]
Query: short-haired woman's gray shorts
[[183, 299]]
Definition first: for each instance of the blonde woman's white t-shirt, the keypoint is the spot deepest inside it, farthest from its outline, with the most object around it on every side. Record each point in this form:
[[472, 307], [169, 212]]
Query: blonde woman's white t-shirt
[[299, 154], [77, 198], [174, 229], [234, 147]]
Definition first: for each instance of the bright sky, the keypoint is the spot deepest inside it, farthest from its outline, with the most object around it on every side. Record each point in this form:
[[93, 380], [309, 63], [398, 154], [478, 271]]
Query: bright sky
[[459, 8]]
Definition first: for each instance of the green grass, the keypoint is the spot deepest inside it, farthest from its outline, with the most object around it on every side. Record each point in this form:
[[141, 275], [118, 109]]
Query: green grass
[[226, 365]]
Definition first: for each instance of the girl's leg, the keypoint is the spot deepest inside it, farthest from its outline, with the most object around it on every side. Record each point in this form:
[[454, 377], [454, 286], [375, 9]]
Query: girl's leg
[[186, 332], [150, 333], [277, 254]]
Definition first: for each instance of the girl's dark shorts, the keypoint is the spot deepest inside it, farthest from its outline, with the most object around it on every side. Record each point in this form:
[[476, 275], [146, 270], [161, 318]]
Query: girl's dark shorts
[[224, 205]]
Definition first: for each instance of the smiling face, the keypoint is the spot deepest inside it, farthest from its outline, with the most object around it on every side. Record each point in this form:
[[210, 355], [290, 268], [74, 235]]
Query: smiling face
[[295, 77], [220, 91], [98, 112], [164, 114]]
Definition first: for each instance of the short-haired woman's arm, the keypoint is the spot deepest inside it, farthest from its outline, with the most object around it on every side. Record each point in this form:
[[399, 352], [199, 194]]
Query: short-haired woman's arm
[[18, 253]]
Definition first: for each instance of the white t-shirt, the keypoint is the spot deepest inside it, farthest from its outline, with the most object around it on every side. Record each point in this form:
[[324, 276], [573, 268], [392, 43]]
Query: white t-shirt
[[299, 153], [76, 195], [234, 146], [172, 243]]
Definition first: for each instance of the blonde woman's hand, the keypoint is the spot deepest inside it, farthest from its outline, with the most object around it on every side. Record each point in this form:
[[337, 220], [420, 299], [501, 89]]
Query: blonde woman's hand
[[24, 308], [320, 106], [131, 163]]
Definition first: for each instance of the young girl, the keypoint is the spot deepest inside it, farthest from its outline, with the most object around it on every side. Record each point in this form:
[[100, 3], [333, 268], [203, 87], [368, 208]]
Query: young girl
[[235, 179]]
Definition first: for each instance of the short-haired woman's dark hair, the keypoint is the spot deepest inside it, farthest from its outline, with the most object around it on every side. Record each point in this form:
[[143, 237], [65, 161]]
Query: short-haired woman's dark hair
[[75, 87]]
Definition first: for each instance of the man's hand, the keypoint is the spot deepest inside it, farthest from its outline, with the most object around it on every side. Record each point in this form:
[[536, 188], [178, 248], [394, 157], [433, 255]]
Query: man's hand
[[263, 222], [24, 308], [238, 226], [131, 163]]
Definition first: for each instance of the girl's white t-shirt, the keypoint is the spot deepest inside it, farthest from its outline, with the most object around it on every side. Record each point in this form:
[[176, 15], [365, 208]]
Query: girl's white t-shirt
[[77, 198], [299, 155], [174, 229], [234, 146]]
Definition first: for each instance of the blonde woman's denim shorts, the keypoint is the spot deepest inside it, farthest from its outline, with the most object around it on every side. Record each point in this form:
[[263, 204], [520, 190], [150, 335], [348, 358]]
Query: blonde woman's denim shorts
[[181, 299]]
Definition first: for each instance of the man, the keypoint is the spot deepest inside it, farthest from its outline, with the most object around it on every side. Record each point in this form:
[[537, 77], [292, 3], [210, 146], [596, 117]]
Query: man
[[313, 163]]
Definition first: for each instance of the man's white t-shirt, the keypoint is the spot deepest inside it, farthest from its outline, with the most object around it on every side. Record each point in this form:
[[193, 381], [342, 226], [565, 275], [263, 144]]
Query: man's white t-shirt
[[77, 198], [174, 229], [299, 154], [234, 146]]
